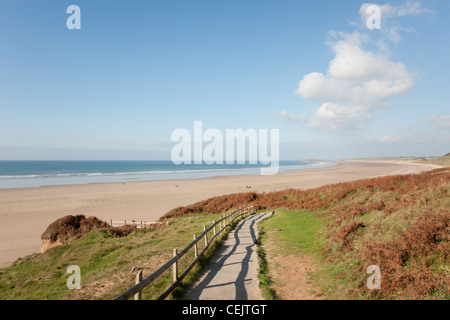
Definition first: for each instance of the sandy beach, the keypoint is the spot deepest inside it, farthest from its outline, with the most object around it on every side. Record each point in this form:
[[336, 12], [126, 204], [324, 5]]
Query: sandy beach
[[26, 213]]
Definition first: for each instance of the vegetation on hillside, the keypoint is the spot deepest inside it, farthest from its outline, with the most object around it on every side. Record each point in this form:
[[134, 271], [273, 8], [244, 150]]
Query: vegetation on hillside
[[400, 223], [107, 262], [70, 228], [442, 161]]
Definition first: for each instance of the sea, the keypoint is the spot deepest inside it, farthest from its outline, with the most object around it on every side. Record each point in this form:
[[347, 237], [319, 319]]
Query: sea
[[32, 174]]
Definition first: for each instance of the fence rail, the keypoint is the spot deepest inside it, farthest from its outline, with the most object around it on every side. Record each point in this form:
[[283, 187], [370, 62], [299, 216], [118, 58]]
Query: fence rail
[[138, 224], [141, 283]]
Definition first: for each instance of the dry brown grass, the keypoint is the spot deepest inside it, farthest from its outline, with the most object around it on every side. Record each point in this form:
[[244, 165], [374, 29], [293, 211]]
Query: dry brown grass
[[414, 262], [400, 223], [70, 228], [403, 186]]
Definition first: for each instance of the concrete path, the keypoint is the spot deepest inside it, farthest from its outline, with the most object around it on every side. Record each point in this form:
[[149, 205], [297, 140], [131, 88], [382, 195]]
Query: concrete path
[[232, 273]]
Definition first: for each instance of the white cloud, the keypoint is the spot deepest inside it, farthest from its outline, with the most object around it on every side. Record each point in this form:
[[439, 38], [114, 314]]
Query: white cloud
[[409, 8], [290, 117], [387, 139], [442, 122], [389, 15], [333, 116], [357, 81]]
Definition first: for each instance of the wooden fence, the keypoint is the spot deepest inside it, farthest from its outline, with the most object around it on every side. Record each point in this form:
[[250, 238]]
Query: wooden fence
[[141, 283], [138, 224]]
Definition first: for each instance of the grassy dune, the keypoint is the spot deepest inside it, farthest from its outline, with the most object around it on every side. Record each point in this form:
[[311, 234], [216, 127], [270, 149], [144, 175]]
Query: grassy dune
[[105, 262], [400, 223], [442, 161]]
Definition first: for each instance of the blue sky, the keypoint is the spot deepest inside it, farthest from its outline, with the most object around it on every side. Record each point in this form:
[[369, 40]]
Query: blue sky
[[138, 70]]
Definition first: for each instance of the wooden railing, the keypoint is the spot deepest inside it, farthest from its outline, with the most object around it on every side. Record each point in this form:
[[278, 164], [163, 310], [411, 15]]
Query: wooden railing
[[138, 224], [223, 223]]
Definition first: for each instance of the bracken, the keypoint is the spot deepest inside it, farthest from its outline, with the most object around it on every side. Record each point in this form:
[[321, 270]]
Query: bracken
[[414, 208]]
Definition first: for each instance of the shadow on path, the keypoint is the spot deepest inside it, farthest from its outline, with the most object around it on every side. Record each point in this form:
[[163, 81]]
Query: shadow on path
[[230, 266]]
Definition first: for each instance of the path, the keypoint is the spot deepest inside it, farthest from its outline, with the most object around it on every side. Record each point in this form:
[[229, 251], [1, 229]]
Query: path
[[232, 273]]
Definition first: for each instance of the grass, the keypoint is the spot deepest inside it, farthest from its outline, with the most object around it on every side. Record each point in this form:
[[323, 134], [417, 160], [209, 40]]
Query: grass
[[442, 161], [295, 231], [265, 282], [408, 242], [399, 223], [292, 232], [106, 263]]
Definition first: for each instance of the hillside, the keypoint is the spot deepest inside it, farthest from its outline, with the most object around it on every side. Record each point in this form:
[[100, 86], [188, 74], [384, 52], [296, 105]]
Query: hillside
[[70, 228], [439, 161], [400, 223], [107, 262], [442, 161]]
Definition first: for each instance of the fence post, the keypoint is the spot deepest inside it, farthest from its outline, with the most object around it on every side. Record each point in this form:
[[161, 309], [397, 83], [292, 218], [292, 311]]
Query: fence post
[[138, 296], [139, 276], [175, 266], [195, 247]]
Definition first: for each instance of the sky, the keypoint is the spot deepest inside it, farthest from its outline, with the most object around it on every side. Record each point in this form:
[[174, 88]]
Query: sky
[[136, 71]]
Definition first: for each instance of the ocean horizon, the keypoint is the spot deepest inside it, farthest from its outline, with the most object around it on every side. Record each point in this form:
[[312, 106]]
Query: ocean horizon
[[40, 173]]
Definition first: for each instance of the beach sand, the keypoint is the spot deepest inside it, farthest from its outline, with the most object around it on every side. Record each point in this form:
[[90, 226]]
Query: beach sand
[[26, 213]]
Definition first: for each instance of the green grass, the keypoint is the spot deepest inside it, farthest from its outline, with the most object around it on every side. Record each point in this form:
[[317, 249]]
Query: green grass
[[292, 232], [106, 262], [265, 282], [302, 233], [328, 236], [295, 232]]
